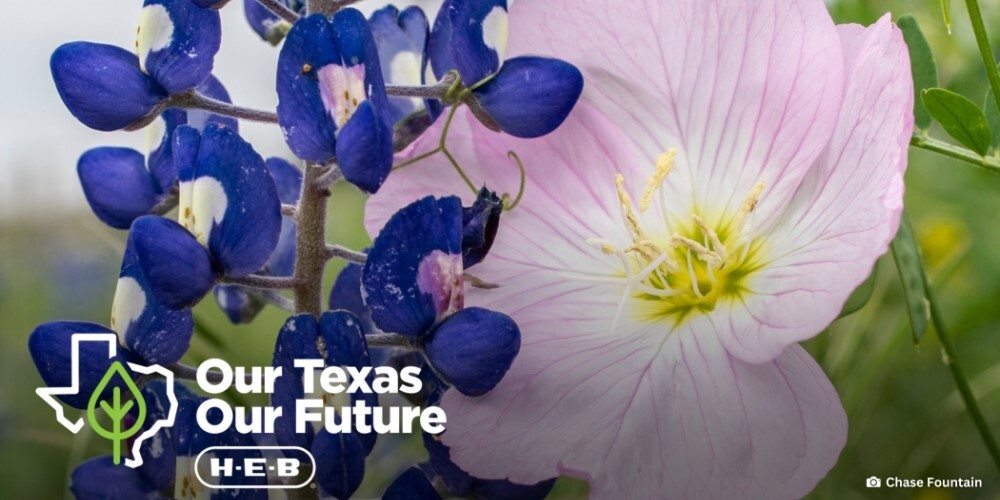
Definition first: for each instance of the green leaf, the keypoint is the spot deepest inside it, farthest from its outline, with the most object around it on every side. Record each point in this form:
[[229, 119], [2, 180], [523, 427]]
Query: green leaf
[[993, 118], [960, 117], [925, 74], [911, 276], [860, 296], [946, 13], [117, 409]]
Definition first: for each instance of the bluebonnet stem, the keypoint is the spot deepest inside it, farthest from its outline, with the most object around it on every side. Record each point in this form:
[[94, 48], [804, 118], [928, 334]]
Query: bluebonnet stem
[[351, 92]]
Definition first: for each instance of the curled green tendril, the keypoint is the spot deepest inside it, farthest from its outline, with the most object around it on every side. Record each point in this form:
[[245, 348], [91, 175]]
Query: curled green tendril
[[507, 204]]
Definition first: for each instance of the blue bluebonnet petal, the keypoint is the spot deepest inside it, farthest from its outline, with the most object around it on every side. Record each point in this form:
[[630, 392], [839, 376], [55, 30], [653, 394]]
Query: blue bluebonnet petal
[[50, 346], [227, 199], [308, 126], [102, 85], [179, 271], [155, 333], [117, 185], [401, 39], [412, 484], [346, 346], [340, 463], [414, 270], [208, 4], [288, 181], [439, 42], [461, 484], [159, 454], [364, 149], [357, 46], [177, 42], [473, 348], [239, 306], [531, 96], [476, 34], [479, 227], [346, 295], [263, 21], [100, 479], [296, 340], [161, 160]]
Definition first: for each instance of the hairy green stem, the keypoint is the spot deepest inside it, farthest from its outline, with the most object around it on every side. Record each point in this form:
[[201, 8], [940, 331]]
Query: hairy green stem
[[310, 243], [279, 9], [951, 359], [959, 153], [985, 50]]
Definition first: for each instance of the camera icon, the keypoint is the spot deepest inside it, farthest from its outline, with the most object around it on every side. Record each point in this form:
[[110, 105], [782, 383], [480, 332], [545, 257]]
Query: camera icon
[[873, 482]]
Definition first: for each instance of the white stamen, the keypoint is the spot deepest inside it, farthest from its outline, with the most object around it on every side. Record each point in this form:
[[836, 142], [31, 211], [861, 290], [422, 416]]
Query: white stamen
[[694, 277]]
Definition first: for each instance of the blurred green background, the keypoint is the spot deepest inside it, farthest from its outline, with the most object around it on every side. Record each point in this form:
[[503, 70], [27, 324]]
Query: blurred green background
[[906, 418]]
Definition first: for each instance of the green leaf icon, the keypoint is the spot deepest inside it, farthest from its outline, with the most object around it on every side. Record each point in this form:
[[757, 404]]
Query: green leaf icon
[[116, 409]]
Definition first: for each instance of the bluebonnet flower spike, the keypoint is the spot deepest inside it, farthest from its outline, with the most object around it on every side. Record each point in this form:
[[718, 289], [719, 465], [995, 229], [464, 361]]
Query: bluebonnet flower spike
[[329, 84], [469, 36], [412, 282]]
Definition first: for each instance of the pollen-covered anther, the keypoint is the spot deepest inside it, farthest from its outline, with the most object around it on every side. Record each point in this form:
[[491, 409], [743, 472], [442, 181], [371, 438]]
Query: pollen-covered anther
[[631, 219], [748, 206], [664, 165], [703, 253], [713, 238]]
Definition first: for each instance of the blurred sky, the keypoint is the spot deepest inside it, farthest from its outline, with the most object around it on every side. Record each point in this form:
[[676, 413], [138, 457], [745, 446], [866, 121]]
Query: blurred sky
[[40, 141]]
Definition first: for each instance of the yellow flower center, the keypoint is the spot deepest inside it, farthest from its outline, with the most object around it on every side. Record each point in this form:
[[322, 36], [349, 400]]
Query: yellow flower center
[[688, 268]]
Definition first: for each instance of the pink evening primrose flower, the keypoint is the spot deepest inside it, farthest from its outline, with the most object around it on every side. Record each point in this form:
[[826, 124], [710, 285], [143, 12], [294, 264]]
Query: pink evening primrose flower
[[732, 172]]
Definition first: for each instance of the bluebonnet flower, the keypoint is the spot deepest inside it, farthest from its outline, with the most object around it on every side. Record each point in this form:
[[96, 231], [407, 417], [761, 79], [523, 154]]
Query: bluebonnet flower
[[413, 285], [230, 217], [239, 305], [337, 339], [332, 103], [109, 88], [167, 470], [266, 24], [121, 185], [148, 333], [523, 96], [401, 39]]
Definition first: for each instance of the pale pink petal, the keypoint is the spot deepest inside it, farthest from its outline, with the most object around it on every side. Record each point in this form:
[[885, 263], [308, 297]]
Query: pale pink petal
[[681, 419], [747, 92], [846, 211]]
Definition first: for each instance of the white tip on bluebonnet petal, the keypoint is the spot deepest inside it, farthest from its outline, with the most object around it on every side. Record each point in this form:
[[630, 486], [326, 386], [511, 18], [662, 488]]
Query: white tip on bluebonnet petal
[[357, 46], [390, 276], [478, 38], [177, 42], [411, 485], [473, 348], [531, 96], [227, 198], [102, 85], [340, 463], [179, 271], [364, 149], [309, 129], [50, 346], [117, 185], [156, 334], [401, 39], [99, 477]]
